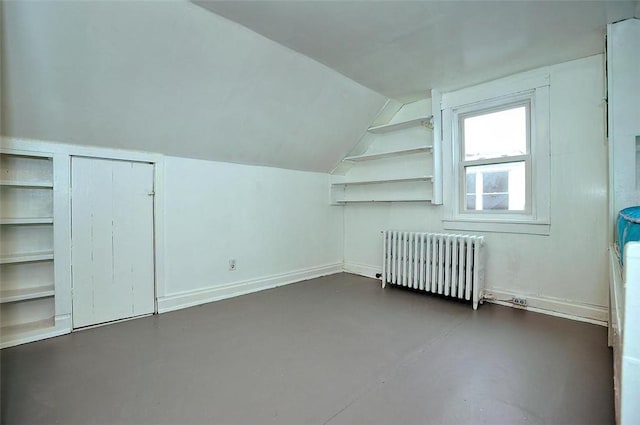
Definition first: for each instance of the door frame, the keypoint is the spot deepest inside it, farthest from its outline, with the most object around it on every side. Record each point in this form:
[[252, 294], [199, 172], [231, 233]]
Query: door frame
[[155, 165]]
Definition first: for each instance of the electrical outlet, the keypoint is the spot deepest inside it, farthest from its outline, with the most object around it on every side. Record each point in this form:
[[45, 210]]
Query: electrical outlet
[[519, 301], [232, 264]]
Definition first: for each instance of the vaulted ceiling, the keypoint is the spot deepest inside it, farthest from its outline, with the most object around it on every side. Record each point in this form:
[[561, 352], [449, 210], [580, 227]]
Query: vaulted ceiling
[[403, 48], [174, 78]]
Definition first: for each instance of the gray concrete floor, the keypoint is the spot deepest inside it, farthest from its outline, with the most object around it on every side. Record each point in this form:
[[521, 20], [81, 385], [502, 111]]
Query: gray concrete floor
[[334, 350]]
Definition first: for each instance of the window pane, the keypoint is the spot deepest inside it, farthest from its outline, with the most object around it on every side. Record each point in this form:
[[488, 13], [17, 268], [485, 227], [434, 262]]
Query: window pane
[[496, 187], [496, 134], [471, 183], [495, 182], [471, 202], [495, 202]]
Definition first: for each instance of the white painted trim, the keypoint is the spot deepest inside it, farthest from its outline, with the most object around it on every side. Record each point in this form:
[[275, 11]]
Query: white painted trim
[[536, 219], [62, 233], [366, 270], [215, 293], [112, 322], [497, 88], [61, 326], [568, 309], [529, 228], [31, 145], [582, 312], [159, 229], [436, 150]]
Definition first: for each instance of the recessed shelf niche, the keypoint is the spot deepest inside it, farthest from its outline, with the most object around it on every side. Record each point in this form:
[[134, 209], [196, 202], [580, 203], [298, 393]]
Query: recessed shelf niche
[[27, 291]]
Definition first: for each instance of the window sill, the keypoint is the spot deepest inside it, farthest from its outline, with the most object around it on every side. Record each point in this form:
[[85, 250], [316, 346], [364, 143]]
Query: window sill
[[502, 226]]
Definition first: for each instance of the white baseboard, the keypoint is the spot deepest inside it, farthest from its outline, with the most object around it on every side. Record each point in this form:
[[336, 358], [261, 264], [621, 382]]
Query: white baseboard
[[568, 309], [366, 270], [201, 296], [62, 325]]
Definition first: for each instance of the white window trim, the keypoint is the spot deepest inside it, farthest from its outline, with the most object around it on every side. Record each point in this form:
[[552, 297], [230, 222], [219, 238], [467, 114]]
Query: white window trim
[[535, 220], [458, 149]]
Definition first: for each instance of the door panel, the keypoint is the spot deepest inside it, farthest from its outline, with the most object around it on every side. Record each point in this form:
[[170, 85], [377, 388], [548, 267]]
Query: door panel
[[112, 240]]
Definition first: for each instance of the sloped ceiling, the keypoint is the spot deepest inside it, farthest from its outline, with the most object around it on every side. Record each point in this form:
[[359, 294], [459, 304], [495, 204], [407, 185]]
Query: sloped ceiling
[[170, 77], [403, 48]]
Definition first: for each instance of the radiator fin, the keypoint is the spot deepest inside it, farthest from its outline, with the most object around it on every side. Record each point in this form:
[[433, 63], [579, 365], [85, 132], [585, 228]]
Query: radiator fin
[[446, 264]]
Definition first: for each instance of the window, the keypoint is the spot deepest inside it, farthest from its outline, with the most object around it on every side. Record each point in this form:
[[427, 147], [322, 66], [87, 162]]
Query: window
[[496, 172], [495, 159]]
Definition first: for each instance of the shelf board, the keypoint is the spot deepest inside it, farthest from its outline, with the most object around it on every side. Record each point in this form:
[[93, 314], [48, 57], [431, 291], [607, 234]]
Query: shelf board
[[380, 155], [26, 257], [24, 183], [30, 155], [386, 128], [10, 296], [350, 201], [27, 327], [36, 220], [405, 179]]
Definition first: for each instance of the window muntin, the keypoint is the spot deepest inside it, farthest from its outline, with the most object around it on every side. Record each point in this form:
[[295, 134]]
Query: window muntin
[[495, 159]]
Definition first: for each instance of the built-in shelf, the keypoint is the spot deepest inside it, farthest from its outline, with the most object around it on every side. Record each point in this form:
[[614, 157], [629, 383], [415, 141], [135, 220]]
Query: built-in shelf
[[386, 128], [27, 327], [409, 145], [404, 179], [27, 294], [26, 257], [37, 220], [31, 155], [381, 155], [350, 201], [18, 183], [10, 296]]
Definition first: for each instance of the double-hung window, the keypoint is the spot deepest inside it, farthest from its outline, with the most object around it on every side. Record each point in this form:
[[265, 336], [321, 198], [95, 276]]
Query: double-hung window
[[496, 158]]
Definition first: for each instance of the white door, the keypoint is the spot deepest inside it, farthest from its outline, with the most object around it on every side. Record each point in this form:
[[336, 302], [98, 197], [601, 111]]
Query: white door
[[112, 240]]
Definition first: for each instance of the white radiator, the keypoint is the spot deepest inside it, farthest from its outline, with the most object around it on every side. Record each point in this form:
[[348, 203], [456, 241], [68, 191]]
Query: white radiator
[[445, 264]]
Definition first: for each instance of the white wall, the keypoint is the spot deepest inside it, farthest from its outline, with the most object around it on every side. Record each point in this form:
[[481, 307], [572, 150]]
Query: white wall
[[173, 78], [565, 271], [624, 114], [276, 223]]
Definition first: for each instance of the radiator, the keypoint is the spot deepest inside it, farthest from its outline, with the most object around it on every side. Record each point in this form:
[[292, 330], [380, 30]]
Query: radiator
[[445, 264]]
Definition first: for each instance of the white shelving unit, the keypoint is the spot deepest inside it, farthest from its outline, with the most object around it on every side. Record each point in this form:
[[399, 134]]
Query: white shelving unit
[[40, 220], [381, 199], [398, 180], [388, 154], [425, 121], [14, 295], [394, 162], [26, 257], [27, 291], [18, 183]]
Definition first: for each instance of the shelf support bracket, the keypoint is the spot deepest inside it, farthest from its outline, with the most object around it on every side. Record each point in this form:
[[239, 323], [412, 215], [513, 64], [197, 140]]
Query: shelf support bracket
[[428, 123]]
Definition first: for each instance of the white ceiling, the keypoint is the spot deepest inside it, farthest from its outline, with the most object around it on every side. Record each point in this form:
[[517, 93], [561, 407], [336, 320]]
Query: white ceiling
[[170, 77], [404, 48]]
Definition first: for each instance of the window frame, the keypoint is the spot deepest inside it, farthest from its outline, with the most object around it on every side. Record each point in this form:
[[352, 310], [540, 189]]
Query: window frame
[[493, 97], [497, 105]]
